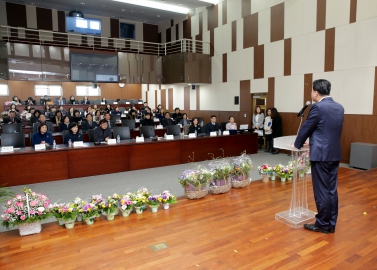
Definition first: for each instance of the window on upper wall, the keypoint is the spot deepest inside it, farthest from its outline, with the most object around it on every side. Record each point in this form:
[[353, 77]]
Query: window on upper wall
[[127, 30], [4, 90], [84, 90], [49, 90]]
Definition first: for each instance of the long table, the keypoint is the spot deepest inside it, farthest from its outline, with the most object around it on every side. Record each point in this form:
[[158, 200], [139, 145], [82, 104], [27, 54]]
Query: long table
[[28, 166]]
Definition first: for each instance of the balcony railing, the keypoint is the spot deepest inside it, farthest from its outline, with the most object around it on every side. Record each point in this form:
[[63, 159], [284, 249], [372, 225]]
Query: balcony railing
[[74, 40]]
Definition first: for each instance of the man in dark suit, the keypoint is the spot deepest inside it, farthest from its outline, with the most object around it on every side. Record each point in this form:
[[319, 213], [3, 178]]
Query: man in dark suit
[[103, 132], [324, 127], [211, 126], [88, 124], [167, 121], [60, 101], [110, 124], [42, 120], [12, 119]]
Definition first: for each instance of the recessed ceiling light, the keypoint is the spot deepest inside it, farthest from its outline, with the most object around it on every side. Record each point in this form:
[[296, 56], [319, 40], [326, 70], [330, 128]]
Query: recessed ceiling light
[[158, 16], [141, 12], [153, 4], [82, 3], [122, 9]]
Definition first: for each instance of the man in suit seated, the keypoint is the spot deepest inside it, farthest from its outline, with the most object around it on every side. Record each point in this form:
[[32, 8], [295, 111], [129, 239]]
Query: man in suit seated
[[60, 101], [211, 126], [42, 120], [88, 124], [110, 124], [103, 132], [167, 121], [12, 119]]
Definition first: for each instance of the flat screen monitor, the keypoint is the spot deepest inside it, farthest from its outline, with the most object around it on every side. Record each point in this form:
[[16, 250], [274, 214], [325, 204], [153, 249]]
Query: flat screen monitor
[[94, 67], [83, 25]]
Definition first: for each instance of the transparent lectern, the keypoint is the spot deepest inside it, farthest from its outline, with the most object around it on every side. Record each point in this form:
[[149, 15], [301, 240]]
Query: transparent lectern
[[298, 212]]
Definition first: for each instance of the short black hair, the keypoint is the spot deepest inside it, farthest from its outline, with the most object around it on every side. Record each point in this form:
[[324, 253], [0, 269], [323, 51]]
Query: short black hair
[[71, 125], [323, 87], [102, 121], [88, 115], [213, 116], [37, 111], [41, 125], [167, 113]]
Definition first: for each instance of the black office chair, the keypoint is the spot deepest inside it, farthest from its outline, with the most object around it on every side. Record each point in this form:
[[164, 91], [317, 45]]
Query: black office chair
[[11, 128], [128, 123], [91, 135], [173, 130], [110, 101], [123, 132], [147, 131], [223, 125], [114, 117], [96, 102], [64, 133], [200, 120], [13, 139]]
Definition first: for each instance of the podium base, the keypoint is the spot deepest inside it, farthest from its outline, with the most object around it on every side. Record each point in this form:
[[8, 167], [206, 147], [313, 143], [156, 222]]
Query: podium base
[[296, 221]]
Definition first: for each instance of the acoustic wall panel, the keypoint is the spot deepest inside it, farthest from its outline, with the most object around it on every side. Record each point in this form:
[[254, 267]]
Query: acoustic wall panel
[[207, 96], [366, 9], [195, 25], [239, 38], [293, 18], [316, 51], [309, 22], [366, 48], [55, 23], [289, 94], [258, 5], [218, 40], [219, 14], [105, 27], [240, 65], [270, 3], [31, 17], [225, 96], [234, 10], [151, 98], [345, 46], [226, 38], [259, 85], [205, 21], [192, 101], [217, 68], [337, 13], [299, 54], [264, 26], [274, 59], [3, 14]]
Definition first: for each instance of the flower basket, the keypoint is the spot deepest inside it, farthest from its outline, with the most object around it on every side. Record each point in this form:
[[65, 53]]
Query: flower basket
[[196, 194], [241, 183], [220, 189], [195, 182], [30, 228], [221, 176]]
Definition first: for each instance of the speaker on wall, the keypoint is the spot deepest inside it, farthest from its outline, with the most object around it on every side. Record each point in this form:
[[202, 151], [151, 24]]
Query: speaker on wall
[[236, 100], [193, 87]]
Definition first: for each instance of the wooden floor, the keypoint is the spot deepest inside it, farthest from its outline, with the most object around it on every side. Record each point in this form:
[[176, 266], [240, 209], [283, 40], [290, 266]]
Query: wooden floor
[[236, 230]]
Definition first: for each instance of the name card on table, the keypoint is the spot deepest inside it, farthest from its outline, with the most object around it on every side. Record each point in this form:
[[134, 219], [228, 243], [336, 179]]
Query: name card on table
[[103, 103], [137, 120], [169, 137], [40, 146], [139, 139], [127, 102], [7, 149], [111, 141], [192, 135], [77, 144], [226, 132], [213, 133], [140, 102], [159, 127], [115, 102]]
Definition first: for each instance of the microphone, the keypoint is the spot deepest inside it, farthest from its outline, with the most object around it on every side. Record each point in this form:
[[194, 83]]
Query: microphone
[[304, 108]]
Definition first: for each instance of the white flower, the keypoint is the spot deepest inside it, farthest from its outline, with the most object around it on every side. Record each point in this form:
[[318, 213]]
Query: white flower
[[40, 209]]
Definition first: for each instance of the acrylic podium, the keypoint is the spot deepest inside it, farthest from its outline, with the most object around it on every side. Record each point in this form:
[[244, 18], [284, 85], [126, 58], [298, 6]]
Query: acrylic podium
[[298, 213]]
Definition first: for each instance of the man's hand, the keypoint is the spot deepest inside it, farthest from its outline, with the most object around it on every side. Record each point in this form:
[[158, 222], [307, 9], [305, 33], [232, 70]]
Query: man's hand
[[106, 139]]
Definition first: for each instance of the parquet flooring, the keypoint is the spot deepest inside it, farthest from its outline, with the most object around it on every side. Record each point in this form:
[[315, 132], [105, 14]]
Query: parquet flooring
[[236, 230]]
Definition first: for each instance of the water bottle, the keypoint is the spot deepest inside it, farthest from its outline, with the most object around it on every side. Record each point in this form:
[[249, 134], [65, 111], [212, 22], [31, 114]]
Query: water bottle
[[219, 132], [142, 135], [196, 133], [54, 145], [165, 135], [70, 143], [118, 139]]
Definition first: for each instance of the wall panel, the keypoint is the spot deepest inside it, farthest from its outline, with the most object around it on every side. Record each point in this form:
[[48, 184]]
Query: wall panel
[[329, 49], [264, 26], [309, 16], [366, 48], [287, 57], [293, 18], [316, 52], [16, 15], [277, 22], [259, 62], [246, 8], [289, 95], [366, 9], [274, 59], [337, 13], [345, 47], [250, 31], [321, 15]]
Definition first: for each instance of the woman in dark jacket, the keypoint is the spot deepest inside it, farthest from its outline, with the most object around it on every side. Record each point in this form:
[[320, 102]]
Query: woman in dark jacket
[[65, 124], [147, 121], [42, 136], [74, 135], [34, 117], [277, 128], [195, 126]]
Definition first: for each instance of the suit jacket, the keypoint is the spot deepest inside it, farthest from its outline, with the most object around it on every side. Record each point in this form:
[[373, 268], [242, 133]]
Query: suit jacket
[[260, 120], [85, 126], [324, 127], [208, 128], [73, 137], [167, 122], [38, 138], [60, 103], [198, 129], [7, 120], [62, 126], [87, 102], [100, 135], [111, 125], [50, 127], [147, 122]]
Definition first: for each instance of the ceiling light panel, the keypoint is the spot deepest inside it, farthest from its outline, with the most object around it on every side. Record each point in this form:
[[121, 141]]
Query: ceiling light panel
[[211, 1], [156, 5]]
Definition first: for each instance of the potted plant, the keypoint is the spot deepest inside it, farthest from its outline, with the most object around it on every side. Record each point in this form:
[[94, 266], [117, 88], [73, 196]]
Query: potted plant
[[109, 207], [265, 170], [221, 171], [55, 210], [195, 182], [139, 201], [167, 199], [154, 202], [97, 200], [26, 211], [79, 204], [88, 211], [143, 192], [69, 214], [240, 171], [303, 164], [116, 198], [126, 205], [282, 171]]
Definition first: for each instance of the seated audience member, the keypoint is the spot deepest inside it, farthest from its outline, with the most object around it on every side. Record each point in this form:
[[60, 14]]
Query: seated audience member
[[195, 126], [143, 109], [116, 111], [46, 111], [60, 101], [89, 110], [85, 100], [103, 100], [161, 114], [97, 116], [76, 116], [131, 115], [102, 110], [34, 117], [65, 124], [103, 132], [231, 125], [184, 121], [53, 111], [13, 107], [30, 101], [159, 107], [167, 121], [74, 135], [29, 115], [12, 118], [147, 121], [26, 111], [88, 124], [110, 124], [42, 136], [72, 100], [58, 118], [108, 108], [42, 120], [95, 107], [16, 100], [45, 99], [64, 112], [177, 115], [211, 126]]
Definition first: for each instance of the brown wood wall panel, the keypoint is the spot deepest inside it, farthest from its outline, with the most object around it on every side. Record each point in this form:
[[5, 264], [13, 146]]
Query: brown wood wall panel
[[353, 9], [163, 98], [197, 89], [329, 49], [369, 129], [176, 31], [259, 62], [250, 31], [61, 21], [246, 8], [234, 36], [16, 15], [375, 92], [186, 102], [150, 33], [212, 17], [114, 28], [155, 99], [290, 123], [225, 67], [277, 22], [44, 19], [321, 15], [350, 133], [308, 82], [201, 23], [168, 34], [170, 99], [245, 96], [187, 27], [211, 42], [271, 93], [225, 17], [287, 56]]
